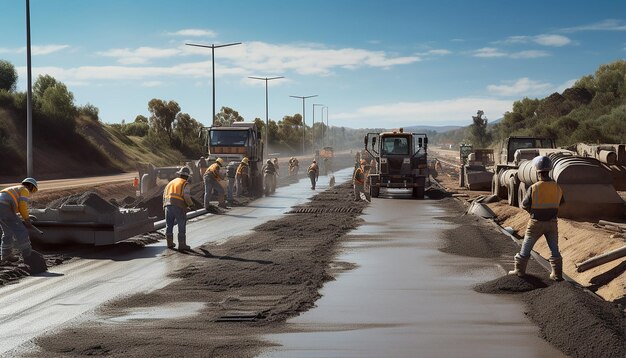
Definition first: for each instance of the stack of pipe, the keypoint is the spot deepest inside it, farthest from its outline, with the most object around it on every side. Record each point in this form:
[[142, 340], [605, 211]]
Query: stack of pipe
[[612, 156]]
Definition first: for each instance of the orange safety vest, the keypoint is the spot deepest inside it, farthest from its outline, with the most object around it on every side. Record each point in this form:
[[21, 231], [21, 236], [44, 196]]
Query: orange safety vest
[[546, 195], [241, 168], [17, 197], [215, 170], [174, 193], [313, 168], [355, 177]]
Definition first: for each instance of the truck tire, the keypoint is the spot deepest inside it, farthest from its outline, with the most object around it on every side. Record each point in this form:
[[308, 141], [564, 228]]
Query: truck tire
[[497, 189], [374, 191], [418, 192], [512, 188], [521, 193]]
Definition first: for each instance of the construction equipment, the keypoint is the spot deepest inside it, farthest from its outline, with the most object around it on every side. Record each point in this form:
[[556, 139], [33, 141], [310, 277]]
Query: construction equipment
[[88, 219], [586, 183], [612, 157], [401, 161], [232, 143], [474, 174], [326, 155]]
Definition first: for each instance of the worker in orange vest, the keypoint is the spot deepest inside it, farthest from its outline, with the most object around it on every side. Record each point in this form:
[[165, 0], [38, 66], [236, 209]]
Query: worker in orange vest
[[14, 200], [176, 202], [212, 178], [358, 180]]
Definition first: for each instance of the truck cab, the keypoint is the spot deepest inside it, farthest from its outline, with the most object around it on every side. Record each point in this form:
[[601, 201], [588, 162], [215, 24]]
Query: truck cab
[[400, 161]]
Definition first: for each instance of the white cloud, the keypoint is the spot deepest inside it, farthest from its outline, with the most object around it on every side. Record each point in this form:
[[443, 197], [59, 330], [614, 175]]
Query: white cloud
[[492, 52], [139, 55], [440, 52], [523, 86], [194, 33], [457, 111], [606, 25], [37, 50], [515, 40], [552, 40]]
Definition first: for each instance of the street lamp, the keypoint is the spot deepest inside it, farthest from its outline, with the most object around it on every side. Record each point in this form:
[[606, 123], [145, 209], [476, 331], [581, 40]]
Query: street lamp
[[326, 132], [303, 122], [213, 47], [313, 125], [29, 99], [267, 121]]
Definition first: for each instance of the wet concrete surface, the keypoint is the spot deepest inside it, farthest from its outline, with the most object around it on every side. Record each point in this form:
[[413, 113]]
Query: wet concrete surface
[[408, 299], [72, 292]]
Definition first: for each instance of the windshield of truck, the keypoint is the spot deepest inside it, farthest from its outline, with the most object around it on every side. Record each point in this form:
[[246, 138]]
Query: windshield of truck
[[228, 138], [524, 143], [395, 145]]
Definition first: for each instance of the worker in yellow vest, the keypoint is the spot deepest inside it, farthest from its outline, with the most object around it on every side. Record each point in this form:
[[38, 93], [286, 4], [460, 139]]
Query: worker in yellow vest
[[542, 201], [243, 176], [358, 180], [14, 200], [176, 203], [212, 178]]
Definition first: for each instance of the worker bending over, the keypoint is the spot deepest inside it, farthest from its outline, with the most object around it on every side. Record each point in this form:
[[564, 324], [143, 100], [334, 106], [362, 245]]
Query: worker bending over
[[14, 200], [542, 201], [176, 203], [212, 178]]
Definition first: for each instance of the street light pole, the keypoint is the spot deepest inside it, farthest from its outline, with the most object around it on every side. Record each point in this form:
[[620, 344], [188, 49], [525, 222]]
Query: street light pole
[[267, 121], [29, 99], [313, 125], [213, 47], [303, 121]]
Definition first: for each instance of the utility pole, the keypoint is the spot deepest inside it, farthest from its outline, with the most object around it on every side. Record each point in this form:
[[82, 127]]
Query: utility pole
[[213, 47], [267, 121], [29, 99], [313, 125], [303, 121]]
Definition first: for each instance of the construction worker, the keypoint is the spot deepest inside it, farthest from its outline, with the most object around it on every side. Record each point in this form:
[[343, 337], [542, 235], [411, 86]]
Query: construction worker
[[269, 177], [358, 180], [276, 166], [15, 200], [212, 178], [176, 202], [242, 176], [231, 173], [542, 201], [313, 172], [294, 166]]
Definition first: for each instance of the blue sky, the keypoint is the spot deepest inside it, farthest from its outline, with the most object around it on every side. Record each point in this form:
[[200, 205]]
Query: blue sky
[[372, 63]]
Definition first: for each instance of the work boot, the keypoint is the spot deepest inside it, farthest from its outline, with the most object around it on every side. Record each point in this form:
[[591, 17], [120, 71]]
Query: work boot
[[557, 268], [8, 257], [170, 241], [520, 266], [182, 244]]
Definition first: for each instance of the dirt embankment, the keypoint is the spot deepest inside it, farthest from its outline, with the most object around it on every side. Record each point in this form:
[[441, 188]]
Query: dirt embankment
[[578, 241], [259, 279]]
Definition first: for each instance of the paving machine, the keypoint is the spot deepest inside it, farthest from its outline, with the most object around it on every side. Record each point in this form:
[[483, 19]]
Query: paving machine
[[474, 174], [401, 161]]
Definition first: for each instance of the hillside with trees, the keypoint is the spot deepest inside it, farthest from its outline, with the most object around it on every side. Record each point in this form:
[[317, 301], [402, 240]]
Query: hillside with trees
[[593, 110]]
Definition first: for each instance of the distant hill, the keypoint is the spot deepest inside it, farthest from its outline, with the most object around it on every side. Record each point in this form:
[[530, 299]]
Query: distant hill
[[438, 129]]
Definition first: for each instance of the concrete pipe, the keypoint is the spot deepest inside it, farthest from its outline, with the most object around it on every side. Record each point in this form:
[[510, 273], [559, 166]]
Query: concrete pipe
[[601, 259], [607, 157]]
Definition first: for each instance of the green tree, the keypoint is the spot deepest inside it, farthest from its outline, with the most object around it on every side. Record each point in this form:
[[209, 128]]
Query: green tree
[[227, 116], [187, 128], [8, 76], [90, 110], [478, 131], [141, 119], [42, 83], [162, 116]]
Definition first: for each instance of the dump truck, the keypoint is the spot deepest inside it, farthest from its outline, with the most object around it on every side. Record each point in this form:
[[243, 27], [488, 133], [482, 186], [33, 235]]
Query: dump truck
[[232, 143], [474, 174], [400, 161], [586, 183]]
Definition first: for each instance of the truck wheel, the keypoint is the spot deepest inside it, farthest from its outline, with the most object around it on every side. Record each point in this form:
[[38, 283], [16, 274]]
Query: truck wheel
[[512, 188], [418, 192], [497, 189], [521, 193], [374, 191]]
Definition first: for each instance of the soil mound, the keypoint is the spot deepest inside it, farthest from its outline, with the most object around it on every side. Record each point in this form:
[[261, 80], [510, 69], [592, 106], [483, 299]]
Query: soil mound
[[510, 284], [475, 240], [579, 325]]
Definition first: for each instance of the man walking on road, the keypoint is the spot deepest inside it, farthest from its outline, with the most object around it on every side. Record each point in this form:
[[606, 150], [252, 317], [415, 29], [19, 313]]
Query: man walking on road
[[542, 201], [15, 200], [212, 179], [242, 175], [176, 202], [314, 173]]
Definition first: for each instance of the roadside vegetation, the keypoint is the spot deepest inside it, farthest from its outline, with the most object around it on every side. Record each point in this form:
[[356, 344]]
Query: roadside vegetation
[[593, 110]]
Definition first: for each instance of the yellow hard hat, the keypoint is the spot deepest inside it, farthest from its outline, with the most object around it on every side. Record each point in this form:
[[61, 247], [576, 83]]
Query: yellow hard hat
[[245, 160], [363, 162], [220, 161]]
